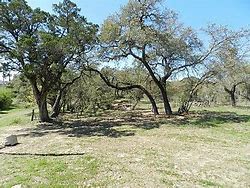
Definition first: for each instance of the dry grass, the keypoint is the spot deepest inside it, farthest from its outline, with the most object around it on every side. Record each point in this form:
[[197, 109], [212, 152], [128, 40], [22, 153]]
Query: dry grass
[[133, 149]]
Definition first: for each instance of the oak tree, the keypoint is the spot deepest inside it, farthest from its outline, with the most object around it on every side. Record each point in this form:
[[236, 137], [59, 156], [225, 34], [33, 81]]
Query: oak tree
[[42, 45]]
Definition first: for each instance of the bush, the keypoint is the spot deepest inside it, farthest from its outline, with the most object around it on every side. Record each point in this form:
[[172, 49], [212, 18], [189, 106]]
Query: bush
[[5, 98]]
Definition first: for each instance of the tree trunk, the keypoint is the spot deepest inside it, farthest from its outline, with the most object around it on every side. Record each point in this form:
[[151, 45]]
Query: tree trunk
[[43, 110], [232, 94], [233, 100], [56, 108], [160, 84], [166, 103], [152, 101], [129, 87], [41, 100], [185, 107]]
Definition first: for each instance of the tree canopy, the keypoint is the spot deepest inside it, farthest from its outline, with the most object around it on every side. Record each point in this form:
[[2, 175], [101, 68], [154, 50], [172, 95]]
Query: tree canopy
[[53, 51], [42, 45]]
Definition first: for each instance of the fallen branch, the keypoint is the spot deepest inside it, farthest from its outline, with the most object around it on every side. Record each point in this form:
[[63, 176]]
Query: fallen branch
[[42, 154]]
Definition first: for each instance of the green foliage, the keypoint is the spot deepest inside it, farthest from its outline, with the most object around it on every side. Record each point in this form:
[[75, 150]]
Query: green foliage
[[135, 75], [153, 36], [50, 49], [90, 94], [22, 90], [6, 98], [179, 90], [43, 45], [135, 95], [143, 28]]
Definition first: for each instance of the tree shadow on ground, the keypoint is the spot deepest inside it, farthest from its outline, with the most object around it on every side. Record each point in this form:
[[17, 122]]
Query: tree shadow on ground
[[243, 107], [206, 119], [6, 110], [100, 126], [3, 112], [128, 123]]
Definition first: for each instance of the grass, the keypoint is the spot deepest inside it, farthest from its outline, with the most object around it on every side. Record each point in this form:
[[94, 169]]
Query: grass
[[208, 183], [15, 116], [44, 171], [207, 148]]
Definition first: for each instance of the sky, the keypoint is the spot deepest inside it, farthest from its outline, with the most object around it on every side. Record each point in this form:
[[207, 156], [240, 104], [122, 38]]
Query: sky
[[194, 13]]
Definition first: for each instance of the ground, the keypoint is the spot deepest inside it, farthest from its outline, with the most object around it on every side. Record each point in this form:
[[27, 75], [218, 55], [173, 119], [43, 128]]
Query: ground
[[206, 148]]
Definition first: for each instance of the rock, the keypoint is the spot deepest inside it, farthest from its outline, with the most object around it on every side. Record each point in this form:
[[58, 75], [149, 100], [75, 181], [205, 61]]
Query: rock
[[11, 140]]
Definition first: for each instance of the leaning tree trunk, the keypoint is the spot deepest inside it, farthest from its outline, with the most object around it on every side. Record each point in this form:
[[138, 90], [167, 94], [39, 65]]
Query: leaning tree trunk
[[232, 94], [160, 84], [165, 99], [56, 108], [152, 101], [185, 107], [129, 87], [233, 100]]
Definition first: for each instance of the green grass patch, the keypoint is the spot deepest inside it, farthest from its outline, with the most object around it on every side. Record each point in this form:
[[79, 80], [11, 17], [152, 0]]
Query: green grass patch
[[209, 183], [15, 116], [49, 171]]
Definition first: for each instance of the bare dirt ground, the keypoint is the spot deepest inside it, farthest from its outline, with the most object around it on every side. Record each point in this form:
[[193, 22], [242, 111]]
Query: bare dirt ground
[[132, 149]]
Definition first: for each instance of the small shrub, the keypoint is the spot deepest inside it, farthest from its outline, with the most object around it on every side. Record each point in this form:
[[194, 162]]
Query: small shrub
[[5, 98]]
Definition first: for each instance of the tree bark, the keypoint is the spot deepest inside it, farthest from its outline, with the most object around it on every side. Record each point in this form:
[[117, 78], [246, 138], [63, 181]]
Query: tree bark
[[56, 108], [41, 100], [43, 110], [232, 94], [161, 85], [186, 105], [152, 101], [167, 107], [233, 100]]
